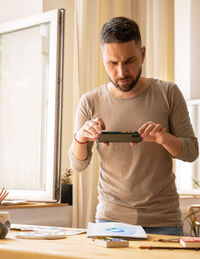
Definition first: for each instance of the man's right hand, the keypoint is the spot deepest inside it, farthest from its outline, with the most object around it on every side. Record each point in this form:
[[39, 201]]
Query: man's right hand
[[91, 130]]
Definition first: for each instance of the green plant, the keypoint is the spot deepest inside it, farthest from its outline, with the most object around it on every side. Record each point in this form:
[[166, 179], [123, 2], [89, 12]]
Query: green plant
[[196, 183], [194, 228], [67, 176], [192, 217]]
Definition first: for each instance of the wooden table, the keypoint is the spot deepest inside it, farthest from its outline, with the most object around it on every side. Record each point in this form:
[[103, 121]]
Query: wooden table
[[77, 246]]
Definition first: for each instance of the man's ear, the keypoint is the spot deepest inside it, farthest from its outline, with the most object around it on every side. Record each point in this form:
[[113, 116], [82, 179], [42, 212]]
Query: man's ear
[[101, 53], [102, 50], [143, 53], [102, 56]]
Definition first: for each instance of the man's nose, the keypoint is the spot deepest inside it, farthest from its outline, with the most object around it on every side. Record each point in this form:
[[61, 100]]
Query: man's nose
[[121, 70]]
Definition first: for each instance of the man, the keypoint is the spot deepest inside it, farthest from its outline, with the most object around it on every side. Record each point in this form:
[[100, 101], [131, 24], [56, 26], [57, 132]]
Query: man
[[136, 183]]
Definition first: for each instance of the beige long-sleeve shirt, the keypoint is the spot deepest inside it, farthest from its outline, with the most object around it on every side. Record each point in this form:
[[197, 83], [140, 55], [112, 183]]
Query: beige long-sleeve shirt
[[136, 184]]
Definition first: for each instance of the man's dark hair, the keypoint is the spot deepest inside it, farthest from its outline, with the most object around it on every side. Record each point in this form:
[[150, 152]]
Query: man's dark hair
[[120, 29]]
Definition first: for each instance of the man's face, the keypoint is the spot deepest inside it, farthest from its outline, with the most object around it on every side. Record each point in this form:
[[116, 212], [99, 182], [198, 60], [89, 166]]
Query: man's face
[[123, 63]]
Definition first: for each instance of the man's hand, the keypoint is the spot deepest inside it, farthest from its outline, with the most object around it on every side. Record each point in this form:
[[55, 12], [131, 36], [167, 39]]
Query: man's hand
[[152, 132], [91, 130]]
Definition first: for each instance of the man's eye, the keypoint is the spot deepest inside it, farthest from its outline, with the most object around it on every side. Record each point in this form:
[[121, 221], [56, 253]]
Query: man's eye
[[112, 63], [130, 61]]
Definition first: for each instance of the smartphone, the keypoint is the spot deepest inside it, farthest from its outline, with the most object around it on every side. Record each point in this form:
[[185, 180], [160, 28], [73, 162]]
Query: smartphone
[[120, 136]]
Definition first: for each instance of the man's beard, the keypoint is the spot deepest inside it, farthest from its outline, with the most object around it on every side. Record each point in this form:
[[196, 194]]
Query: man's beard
[[126, 87]]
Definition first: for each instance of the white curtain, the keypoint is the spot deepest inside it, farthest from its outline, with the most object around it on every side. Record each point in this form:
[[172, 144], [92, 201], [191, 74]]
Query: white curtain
[[155, 18]]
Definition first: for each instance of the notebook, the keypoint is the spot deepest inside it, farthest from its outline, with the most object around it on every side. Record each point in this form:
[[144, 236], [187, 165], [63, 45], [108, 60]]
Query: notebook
[[116, 229]]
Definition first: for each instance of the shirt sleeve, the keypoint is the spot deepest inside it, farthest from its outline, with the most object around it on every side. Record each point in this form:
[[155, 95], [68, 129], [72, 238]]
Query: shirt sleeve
[[181, 126], [76, 164], [83, 114]]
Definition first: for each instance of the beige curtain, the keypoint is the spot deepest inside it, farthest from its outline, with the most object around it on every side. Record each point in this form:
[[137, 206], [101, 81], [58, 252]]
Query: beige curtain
[[160, 39], [155, 18]]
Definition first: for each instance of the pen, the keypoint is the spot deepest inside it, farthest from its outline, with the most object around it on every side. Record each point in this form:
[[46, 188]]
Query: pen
[[174, 240], [167, 247]]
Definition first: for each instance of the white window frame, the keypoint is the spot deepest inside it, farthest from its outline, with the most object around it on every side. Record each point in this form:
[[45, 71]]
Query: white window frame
[[55, 78]]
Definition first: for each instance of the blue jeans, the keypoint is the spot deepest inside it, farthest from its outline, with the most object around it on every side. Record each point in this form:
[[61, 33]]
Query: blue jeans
[[173, 231]]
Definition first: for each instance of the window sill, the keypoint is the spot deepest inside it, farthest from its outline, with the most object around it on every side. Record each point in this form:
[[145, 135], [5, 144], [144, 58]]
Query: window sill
[[189, 196], [32, 205]]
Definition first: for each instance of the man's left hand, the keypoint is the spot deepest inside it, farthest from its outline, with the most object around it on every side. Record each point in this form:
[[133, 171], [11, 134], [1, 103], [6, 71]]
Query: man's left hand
[[152, 132]]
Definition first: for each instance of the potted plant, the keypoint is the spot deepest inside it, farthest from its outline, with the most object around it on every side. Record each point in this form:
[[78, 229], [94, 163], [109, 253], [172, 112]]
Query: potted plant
[[66, 187]]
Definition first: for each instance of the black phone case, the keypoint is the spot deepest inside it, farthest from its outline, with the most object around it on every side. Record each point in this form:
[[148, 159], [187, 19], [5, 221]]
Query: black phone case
[[120, 136]]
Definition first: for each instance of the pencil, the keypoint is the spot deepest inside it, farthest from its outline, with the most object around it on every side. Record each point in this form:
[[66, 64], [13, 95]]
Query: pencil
[[4, 196]]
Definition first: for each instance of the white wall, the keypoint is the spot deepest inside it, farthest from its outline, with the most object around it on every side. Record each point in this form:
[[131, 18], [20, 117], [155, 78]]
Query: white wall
[[187, 42], [47, 216], [17, 9], [195, 48], [182, 45]]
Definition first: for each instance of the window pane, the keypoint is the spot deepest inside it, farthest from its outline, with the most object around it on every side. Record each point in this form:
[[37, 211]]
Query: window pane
[[24, 61]]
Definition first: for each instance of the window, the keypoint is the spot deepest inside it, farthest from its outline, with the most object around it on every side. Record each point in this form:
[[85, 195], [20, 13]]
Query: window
[[186, 172], [31, 57]]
